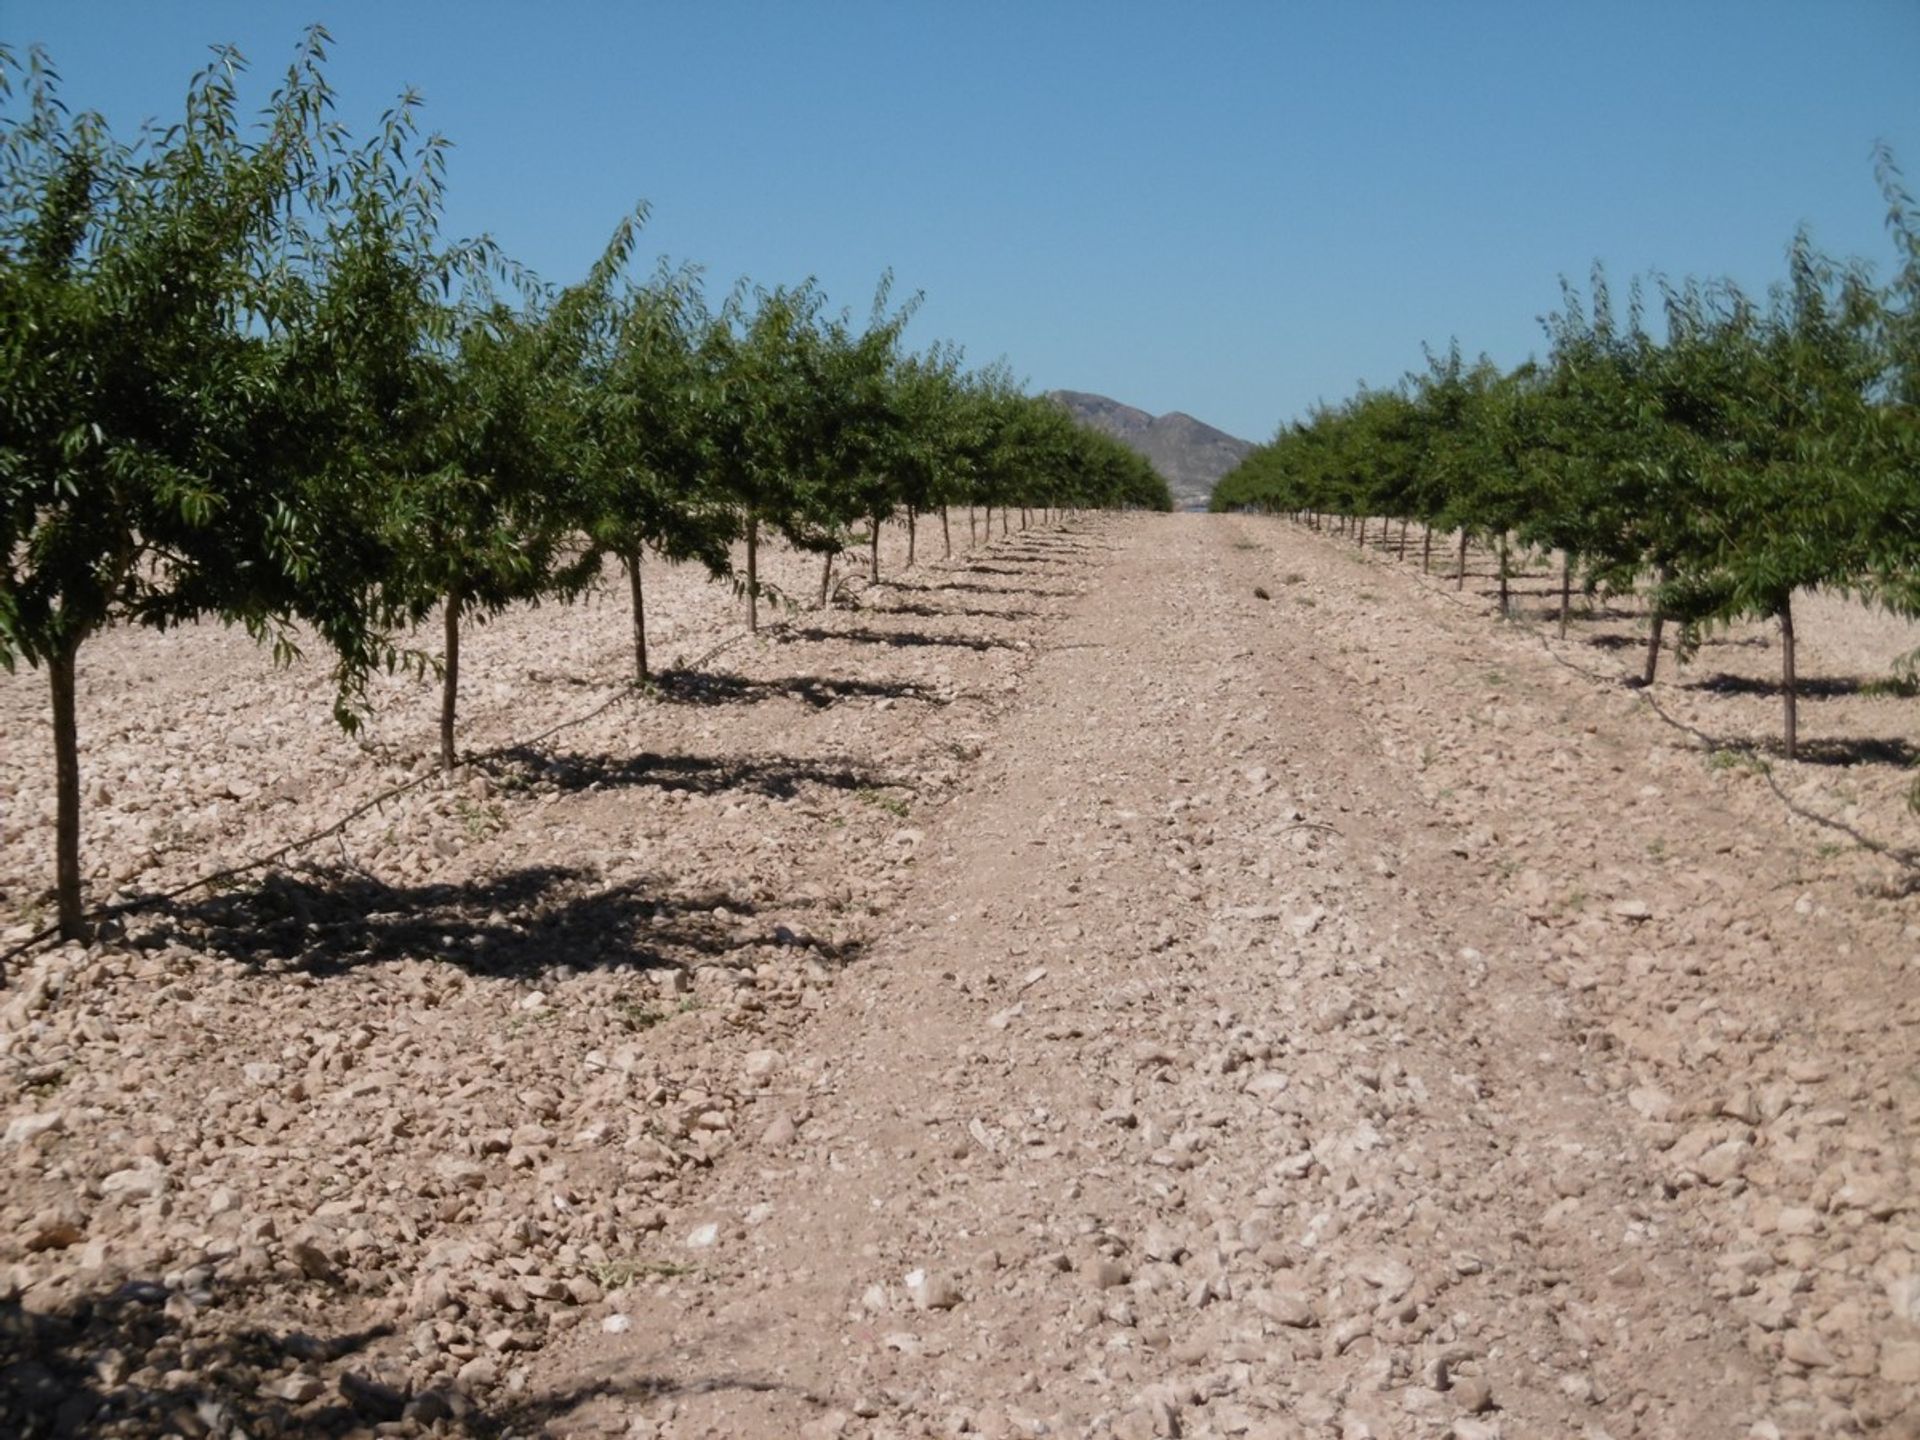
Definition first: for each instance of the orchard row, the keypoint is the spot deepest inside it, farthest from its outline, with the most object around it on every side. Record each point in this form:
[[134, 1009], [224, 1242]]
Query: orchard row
[[244, 375], [1720, 456]]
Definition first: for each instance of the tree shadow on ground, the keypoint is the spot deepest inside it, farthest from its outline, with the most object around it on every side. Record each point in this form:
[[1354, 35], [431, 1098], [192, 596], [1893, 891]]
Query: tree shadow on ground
[[519, 925], [779, 776], [1812, 687], [940, 611], [141, 1361], [977, 589], [707, 687], [1018, 568], [862, 635], [1617, 642], [101, 1362], [1891, 750]]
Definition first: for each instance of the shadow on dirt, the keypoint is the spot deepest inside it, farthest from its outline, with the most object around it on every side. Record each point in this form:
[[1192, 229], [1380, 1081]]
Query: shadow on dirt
[[862, 635], [978, 589], [1880, 750], [1811, 687], [780, 776], [140, 1360], [519, 924], [108, 1362], [948, 611], [707, 687]]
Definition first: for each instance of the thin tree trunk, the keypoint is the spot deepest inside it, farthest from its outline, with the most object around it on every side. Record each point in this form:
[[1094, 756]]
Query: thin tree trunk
[[66, 772], [1003, 522], [973, 529], [1566, 590], [873, 542], [826, 580], [1402, 554], [1506, 605], [1360, 540], [1788, 686], [1654, 632], [1025, 519], [640, 671], [450, 678], [753, 573], [1460, 575], [1426, 550], [913, 519], [946, 536]]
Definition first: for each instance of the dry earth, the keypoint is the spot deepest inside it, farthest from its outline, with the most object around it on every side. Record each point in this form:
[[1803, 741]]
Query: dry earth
[[1059, 993]]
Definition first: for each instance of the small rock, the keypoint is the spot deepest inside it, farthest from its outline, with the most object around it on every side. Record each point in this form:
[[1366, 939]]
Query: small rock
[[1287, 1307], [1900, 1361], [52, 1230], [1472, 1393], [1807, 1347], [295, 1389], [703, 1237], [779, 1134], [144, 1182], [25, 1129], [1107, 1273], [932, 1292]]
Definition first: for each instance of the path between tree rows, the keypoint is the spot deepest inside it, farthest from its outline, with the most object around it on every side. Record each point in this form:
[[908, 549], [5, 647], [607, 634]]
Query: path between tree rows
[[1283, 1037], [1055, 991]]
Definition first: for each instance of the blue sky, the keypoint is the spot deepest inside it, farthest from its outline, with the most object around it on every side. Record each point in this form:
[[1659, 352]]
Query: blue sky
[[1228, 209]]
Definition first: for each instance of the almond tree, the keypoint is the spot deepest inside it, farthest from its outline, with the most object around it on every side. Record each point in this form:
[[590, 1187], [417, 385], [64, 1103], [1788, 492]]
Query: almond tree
[[160, 459]]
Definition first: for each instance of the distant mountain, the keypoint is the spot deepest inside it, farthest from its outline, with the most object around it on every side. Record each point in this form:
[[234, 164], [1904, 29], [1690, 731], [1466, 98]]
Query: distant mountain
[[1191, 455]]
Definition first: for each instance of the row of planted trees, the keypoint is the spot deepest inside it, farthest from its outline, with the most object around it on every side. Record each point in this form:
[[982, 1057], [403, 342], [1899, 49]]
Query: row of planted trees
[[1728, 455], [244, 376]]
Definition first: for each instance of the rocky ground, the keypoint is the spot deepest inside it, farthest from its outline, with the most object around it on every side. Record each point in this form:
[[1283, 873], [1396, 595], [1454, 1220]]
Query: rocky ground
[[1171, 976]]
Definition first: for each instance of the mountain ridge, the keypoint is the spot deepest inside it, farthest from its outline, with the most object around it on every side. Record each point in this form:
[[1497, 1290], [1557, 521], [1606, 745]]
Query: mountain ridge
[[1190, 454]]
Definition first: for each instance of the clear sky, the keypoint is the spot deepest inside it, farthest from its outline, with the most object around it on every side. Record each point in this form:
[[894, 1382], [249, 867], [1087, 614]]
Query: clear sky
[[1228, 209]]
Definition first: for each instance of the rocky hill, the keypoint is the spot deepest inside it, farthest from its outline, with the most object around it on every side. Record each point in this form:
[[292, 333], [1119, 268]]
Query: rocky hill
[[1191, 455]]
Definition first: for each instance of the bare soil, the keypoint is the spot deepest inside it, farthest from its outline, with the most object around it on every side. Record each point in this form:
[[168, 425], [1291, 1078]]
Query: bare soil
[[1053, 992]]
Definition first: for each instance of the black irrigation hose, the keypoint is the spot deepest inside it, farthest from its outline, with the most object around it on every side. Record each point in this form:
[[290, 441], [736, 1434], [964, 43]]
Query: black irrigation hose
[[1906, 858]]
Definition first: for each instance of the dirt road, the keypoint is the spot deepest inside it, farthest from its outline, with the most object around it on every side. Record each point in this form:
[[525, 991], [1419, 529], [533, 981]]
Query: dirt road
[[1318, 1015], [1213, 1081]]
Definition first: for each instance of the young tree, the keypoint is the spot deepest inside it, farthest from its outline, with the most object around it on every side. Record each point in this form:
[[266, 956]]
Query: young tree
[[160, 459]]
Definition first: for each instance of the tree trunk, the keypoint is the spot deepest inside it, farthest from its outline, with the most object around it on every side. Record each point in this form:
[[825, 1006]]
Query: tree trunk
[[826, 581], [1360, 540], [1426, 550], [1004, 531], [946, 535], [913, 518], [873, 541], [753, 573], [450, 679], [66, 772], [1788, 686], [1566, 590], [1402, 554], [640, 671], [1024, 517], [1653, 635], [973, 530], [1506, 605], [1460, 575]]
